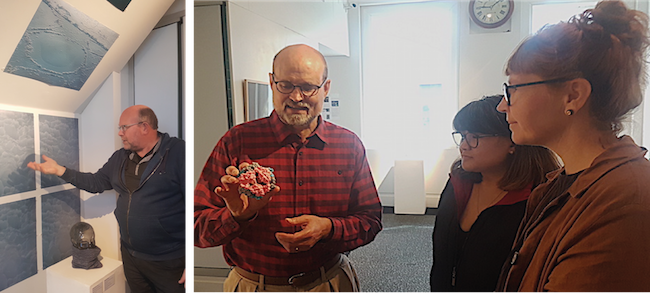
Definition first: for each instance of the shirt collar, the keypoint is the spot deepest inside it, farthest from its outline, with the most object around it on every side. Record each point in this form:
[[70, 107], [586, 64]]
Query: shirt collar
[[147, 157], [463, 190], [621, 152], [284, 133]]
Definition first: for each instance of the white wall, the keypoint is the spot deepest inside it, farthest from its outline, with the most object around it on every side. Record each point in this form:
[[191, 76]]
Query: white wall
[[345, 73], [98, 138], [324, 21], [155, 66], [254, 40]]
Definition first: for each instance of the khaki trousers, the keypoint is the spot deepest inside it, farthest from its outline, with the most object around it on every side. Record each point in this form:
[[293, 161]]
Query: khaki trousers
[[340, 278]]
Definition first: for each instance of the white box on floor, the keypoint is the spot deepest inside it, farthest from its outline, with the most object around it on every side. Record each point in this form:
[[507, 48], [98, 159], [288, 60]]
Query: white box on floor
[[63, 278], [410, 197]]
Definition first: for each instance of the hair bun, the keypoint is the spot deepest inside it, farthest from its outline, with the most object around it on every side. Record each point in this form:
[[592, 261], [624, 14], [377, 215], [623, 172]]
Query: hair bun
[[614, 18]]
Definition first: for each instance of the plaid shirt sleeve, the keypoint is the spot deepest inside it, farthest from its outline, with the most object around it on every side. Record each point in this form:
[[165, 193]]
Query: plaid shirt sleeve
[[214, 225]]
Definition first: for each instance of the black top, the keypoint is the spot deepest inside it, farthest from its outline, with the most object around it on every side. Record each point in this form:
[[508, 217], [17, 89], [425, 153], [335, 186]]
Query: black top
[[471, 260]]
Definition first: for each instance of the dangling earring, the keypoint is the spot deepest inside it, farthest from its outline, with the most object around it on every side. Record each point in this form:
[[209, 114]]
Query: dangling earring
[[569, 112], [512, 152]]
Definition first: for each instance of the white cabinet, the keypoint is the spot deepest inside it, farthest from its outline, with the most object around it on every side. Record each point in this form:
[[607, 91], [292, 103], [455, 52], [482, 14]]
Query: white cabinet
[[63, 278]]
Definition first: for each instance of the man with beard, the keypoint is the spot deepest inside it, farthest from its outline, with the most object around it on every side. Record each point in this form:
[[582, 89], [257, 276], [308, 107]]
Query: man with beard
[[325, 202]]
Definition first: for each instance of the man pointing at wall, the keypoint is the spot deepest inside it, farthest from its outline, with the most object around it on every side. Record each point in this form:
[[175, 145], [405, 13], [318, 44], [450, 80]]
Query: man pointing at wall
[[148, 173]]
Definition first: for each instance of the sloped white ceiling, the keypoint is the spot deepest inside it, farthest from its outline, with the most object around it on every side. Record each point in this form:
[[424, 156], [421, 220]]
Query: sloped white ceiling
[[133, 25]]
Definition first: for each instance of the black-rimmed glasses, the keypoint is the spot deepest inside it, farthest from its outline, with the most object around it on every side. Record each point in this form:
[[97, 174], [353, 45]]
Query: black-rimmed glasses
[[507, 88], [306, 90], [470, 138]]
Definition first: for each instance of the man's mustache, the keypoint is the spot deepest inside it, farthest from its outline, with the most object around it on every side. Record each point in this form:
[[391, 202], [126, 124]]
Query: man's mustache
[[298, 105]]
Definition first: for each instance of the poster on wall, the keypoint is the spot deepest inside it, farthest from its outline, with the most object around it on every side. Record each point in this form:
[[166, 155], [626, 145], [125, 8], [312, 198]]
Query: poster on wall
[[334, 110], [60, 141], [61, 46], [120, 4], [327, 109], [17, 242], [60, 211], [16, 150]]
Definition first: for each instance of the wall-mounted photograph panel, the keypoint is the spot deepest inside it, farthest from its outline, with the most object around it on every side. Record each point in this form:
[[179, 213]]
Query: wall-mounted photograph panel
[[258, 99], [61, 46], [61, 210], [16, 150], [59, 138], [17, 242]]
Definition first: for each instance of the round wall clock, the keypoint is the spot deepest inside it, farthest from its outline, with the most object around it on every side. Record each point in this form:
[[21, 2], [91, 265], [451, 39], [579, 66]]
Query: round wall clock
[[490, 13]]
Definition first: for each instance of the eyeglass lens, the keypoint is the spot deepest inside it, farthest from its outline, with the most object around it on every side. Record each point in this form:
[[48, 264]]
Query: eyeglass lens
[[506, 93], [286, 87], [470, 138]]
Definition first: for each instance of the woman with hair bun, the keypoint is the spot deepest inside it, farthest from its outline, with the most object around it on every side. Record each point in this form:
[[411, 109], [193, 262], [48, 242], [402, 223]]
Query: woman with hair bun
[[569, 87], [484, 200]]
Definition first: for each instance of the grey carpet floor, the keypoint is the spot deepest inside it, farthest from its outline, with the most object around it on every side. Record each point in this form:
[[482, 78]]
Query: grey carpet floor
[[399, 259]]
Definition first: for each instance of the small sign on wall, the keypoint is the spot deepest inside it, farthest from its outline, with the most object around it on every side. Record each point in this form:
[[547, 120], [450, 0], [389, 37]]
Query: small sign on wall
[[331, 107], [327, 109]]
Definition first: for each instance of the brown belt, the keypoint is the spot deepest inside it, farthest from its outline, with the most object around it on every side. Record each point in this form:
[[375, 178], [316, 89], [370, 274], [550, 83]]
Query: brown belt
[[297, 280]]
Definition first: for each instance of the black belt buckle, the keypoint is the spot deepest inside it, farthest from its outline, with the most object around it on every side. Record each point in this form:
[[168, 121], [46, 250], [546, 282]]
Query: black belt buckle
[[293, 278]]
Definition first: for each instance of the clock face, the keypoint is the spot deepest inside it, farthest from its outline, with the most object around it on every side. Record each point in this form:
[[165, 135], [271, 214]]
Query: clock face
[[490, 13]]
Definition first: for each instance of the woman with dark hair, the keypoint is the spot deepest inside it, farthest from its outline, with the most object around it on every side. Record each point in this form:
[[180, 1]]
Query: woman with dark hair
[[570, 85], [484, 200]]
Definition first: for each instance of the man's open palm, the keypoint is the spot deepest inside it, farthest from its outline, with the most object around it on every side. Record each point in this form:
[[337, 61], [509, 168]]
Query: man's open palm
[[49, 166]]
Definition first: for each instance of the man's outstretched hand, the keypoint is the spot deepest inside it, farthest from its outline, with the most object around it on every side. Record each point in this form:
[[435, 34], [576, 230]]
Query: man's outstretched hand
[[242, 207], [48, 166]]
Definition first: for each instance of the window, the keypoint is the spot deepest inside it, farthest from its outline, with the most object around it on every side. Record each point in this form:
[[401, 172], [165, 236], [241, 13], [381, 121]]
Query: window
[[410, 78], [549, 13]]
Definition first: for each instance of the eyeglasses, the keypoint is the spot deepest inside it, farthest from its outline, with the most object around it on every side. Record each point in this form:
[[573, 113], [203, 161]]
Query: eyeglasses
[[470, 138], [306, 90], [125, 127], [506, 88]]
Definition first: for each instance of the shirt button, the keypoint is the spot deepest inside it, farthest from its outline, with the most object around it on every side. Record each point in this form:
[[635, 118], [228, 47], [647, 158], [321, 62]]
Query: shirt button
[[514, 258], [340, 172], [300, 153], [300, 183]]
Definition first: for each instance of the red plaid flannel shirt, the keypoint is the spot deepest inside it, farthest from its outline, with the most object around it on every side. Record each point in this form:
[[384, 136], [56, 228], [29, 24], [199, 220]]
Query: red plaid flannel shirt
[[327, 176]]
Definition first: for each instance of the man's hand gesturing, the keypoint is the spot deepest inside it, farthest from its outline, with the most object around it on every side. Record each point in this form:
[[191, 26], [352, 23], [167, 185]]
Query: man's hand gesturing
[[241, 206], [49, 166]]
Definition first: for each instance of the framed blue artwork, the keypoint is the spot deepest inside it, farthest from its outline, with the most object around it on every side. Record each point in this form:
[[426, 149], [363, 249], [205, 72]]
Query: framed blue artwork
[[61, 46]]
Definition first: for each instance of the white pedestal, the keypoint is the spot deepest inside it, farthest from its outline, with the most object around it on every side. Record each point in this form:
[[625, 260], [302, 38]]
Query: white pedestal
[[410, 197], [63, 278]]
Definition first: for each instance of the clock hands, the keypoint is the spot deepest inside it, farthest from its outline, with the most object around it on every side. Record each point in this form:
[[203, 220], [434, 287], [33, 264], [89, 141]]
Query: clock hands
[[495, 3], [489, 6]]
